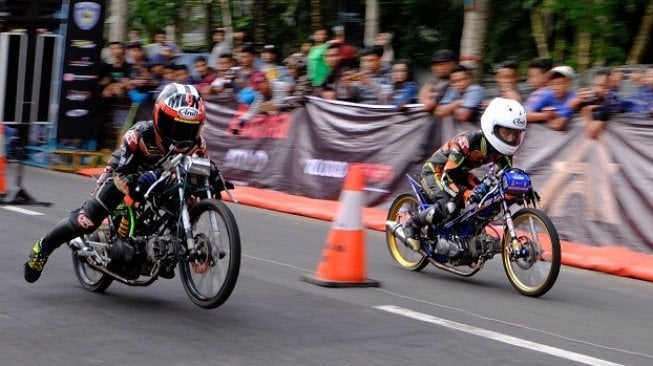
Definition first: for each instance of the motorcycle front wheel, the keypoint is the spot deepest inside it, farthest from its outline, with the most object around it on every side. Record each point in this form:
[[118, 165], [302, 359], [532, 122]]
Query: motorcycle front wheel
[[535, 269], [210, 274], [401, 209]]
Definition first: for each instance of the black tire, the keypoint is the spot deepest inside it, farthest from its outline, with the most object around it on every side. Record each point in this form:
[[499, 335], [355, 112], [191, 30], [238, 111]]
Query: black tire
[[400, 210], [89, 278], [221, 270], [536, 273]]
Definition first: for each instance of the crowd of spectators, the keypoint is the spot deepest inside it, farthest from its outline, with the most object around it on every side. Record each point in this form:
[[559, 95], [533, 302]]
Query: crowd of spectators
[[330, 68]]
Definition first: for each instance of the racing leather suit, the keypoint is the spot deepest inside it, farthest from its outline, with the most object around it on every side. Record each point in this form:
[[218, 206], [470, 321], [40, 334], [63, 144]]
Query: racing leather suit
[[140, 150], [446, 176]]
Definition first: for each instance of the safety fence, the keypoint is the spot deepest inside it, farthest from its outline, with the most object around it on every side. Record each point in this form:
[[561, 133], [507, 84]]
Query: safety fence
[[596, 191]]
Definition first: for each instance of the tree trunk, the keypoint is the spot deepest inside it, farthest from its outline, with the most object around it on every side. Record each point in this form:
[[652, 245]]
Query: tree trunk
[[259, 21], [118, 26], [316, 22], [474, 35], [371, 21], [539, 34], [225, 10], [643, 36], [584, 48]]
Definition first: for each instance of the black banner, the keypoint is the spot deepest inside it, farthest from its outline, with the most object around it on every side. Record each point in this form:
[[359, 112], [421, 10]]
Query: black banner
[[596, 191], [79, 112]]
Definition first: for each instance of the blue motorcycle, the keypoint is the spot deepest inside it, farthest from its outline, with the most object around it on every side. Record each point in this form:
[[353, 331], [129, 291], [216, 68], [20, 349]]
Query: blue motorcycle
[[470, 236]]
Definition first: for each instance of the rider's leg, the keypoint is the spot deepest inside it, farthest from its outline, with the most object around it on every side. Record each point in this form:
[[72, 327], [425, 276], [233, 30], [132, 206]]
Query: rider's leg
[[81, 221]]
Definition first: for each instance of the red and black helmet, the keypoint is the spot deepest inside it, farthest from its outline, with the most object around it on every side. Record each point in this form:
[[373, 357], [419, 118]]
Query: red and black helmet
[[179, 112]]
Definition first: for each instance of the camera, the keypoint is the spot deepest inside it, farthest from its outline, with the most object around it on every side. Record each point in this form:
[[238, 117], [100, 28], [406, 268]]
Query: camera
[[233, 71]]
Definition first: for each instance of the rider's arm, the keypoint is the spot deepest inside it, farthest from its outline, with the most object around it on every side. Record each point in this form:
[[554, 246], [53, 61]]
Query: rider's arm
[[128, 162]]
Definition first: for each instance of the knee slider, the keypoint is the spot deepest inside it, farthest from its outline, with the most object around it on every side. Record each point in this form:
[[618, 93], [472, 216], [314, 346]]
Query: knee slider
[[83, 223]]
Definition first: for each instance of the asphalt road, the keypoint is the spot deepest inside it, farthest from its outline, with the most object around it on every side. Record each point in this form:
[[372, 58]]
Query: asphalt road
[[274, 318]]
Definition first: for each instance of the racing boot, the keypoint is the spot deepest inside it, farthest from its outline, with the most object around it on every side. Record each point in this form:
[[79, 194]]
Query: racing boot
[[35, 263]]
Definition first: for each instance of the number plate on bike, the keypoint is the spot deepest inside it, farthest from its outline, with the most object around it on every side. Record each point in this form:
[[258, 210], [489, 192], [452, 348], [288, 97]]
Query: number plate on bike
[[197, 165], [515, 181]]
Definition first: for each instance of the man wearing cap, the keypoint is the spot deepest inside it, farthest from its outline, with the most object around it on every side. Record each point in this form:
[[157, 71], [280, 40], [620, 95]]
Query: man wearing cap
[[442, 63], [557, 104]]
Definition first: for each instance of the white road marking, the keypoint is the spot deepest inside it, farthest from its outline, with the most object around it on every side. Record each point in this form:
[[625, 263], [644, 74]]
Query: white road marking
[[557, 352], [22, 210]]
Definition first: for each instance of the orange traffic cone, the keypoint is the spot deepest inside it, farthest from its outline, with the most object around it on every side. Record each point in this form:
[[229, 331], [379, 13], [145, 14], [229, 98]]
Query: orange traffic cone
[[3, 162], [343, 259]]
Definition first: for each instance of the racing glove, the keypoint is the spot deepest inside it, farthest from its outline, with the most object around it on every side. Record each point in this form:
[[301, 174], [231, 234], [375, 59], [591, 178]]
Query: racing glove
[[146, 180], [476, 195]]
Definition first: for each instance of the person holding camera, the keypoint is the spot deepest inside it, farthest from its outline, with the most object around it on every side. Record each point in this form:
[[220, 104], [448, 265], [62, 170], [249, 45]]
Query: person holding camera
[[223, 85], [594, 109]]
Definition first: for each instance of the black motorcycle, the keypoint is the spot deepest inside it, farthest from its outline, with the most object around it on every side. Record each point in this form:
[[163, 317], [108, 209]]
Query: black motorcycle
[[177, 223]]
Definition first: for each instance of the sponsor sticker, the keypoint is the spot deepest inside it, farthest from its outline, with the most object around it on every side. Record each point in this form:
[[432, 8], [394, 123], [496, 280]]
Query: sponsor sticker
[[189, 113], [77, 112], [70, 77], [86, 14], [83, 62], [82, 43], [78, 95]]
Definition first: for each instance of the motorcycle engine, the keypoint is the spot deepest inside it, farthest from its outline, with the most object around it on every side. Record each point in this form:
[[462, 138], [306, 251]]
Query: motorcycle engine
[[484, 244], [126, 258]]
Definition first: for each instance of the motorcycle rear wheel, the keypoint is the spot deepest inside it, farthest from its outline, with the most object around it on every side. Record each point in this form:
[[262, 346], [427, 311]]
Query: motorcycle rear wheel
[[534, 274], [211, 276], [401, 209], [89, 278]]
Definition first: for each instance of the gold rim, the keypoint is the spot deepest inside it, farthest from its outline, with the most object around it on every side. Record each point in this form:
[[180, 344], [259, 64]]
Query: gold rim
[[399, 212], [536, 234]]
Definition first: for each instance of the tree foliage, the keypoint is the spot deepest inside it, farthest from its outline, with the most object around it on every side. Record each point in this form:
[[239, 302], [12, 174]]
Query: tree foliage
[[604, 29]]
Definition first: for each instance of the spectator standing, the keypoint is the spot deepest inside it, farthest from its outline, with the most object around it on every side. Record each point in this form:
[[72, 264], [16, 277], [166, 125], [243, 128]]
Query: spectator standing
[[181, 74], [442, 63], [385, 40], [135, 54], [537, 77], [373, 79], [317, 67], [154, 48], [641, 102], [506, 77], [273, 71], [267, 100], [556, 105], [404, 87], [296, 66], [240, 39], [246, 66], [223, 84], [463, 99], [205, 77], [612, 98], [338, 84], [115, 83], [348, 52], [134, 36], [594, 111], [220, 46]]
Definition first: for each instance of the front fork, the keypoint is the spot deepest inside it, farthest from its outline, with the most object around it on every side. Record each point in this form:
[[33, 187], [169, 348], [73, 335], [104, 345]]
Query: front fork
[[515, 245], [185, 216]]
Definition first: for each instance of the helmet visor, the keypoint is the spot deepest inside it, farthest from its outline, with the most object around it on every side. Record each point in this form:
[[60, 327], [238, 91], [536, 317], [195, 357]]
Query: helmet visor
[[175, 131], [509, 136]]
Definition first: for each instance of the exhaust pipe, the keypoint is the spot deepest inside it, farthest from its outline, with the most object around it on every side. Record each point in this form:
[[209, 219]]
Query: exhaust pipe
[[397, 230]]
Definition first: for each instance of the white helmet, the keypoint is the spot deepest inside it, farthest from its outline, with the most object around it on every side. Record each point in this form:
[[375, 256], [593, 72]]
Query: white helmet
[[506, 113]]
